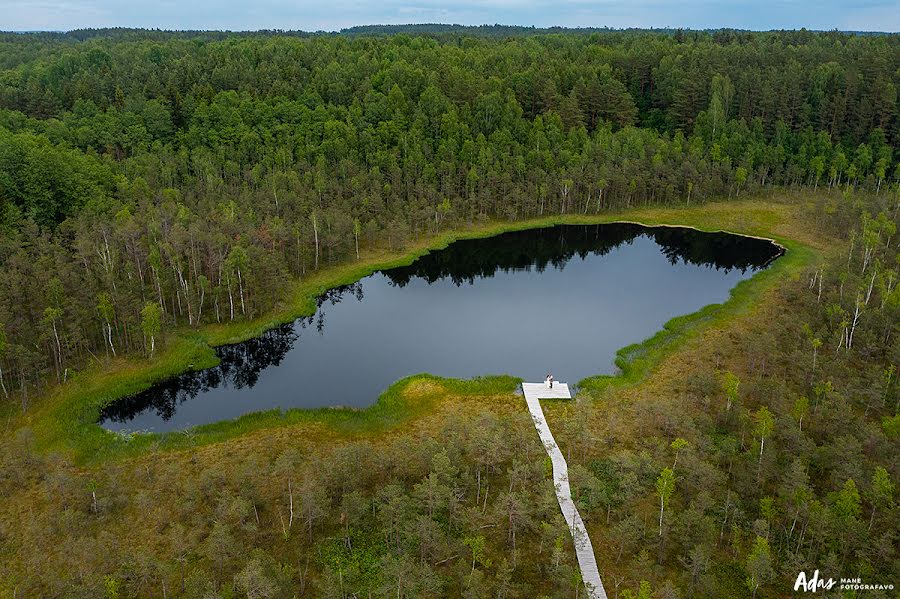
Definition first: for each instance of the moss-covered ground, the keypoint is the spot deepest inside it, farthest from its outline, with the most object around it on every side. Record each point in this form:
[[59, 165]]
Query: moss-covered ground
[[65, 419]]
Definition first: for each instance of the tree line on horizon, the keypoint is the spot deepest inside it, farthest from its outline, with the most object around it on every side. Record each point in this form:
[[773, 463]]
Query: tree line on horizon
[[152, 180]]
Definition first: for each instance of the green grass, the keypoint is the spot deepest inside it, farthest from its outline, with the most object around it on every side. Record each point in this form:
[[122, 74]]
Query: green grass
[[635, 361], [76, 430], [66, 419]]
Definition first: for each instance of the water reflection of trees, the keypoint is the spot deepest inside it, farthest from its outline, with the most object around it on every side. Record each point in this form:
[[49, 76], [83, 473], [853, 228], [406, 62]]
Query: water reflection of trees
[[721, 251], [468, 260], [239, 367], [463, 261]]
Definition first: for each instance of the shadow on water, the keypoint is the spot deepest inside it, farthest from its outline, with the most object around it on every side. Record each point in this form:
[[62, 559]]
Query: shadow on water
[[564, 297], [536, 249]]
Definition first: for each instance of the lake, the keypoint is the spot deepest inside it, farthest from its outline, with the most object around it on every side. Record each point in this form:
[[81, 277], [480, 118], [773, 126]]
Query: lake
[[558, 300]]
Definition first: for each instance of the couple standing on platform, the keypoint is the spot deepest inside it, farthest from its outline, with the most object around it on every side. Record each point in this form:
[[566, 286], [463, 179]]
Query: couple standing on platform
[[549, 381]]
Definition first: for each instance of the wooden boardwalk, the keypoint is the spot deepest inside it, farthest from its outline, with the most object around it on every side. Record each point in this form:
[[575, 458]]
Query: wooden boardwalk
[[583, 549]]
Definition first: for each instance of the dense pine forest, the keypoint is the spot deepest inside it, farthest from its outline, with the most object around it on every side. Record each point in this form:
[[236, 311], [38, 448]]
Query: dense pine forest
[[153, 183], [155, 180]]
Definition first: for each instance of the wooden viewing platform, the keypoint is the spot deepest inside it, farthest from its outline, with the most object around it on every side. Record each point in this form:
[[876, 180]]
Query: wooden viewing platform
[[541, 391], [584, 551]]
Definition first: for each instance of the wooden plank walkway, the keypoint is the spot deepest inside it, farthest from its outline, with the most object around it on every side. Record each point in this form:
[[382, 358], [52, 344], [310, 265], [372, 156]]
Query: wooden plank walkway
[[583, 549]]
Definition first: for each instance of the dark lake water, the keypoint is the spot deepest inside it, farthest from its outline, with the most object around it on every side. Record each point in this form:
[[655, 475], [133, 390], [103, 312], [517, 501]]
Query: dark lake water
[[561, 300]]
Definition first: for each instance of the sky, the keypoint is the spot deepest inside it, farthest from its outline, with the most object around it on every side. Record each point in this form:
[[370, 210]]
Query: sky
[[331, 15]]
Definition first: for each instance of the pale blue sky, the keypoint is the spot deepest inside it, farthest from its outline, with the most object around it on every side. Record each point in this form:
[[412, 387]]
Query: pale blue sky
[[876, 15]]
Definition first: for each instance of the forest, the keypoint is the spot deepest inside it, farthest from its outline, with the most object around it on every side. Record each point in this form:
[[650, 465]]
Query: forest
[[155, 183]]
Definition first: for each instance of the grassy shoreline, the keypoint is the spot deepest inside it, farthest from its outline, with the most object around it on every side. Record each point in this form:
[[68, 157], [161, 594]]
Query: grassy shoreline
[[65, 420], [636, 360]]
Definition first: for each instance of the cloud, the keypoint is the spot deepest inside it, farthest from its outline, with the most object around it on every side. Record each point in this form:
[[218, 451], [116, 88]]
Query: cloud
[[336, 14], [877, 17]]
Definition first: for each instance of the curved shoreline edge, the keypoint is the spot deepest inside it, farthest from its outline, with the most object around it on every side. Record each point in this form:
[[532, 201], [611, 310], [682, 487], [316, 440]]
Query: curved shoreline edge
[[67, 418]]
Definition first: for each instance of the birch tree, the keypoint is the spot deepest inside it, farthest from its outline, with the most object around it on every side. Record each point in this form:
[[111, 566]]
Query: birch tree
[[236, 265], [800, 409], [151, 323], [759, 565], [4, 344], [677, 445], [107, 314], [665, 486], [731, 384], [765, 423], [315, 224], [881, 495]]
